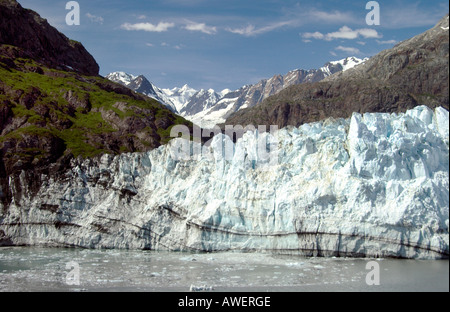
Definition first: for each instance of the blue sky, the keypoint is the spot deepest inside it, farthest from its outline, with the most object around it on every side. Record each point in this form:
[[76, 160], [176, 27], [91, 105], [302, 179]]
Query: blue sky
[[230, 43]]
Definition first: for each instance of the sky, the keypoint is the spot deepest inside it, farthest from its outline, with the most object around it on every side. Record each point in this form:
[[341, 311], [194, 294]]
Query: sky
[[222, 44]]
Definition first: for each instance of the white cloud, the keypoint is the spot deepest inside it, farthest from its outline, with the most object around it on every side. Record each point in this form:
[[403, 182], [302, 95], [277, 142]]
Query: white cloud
[[344, 32], [349, 50], [149, 44], [361, 43], [141, 17], [347, 33], [176, 47], [333, 17], [306, 14], [246, 31], [202, 27], [314, 35], [94, 18], [369, 33], [251, 30], [387, 41], [161, 27]]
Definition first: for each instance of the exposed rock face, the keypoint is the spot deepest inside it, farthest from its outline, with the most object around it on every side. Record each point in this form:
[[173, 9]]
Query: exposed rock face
[[200, 102], [372, 185], [253, 95], [38, 40], [208, 114], [211, 110], [415, 72], [140, 84]]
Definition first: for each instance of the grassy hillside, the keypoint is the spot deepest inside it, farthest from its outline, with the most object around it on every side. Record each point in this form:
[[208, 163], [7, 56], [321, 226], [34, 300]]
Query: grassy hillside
[[45, 111]]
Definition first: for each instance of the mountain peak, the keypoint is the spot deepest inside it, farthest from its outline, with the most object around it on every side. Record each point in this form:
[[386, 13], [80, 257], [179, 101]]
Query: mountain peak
[[141, 84], [185, 88], [348, 62], [224, 92], [121, 77], [10, 3]]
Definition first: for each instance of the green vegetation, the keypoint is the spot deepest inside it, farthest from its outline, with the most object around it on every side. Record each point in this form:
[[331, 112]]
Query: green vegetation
[[44, 100], [74, 42], [30, 130]]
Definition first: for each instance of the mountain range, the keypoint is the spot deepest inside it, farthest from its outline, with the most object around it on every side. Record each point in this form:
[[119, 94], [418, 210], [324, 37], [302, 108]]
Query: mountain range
[[207, 108]]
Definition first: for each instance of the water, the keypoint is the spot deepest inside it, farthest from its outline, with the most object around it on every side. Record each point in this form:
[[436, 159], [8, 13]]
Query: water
[[41, 269]]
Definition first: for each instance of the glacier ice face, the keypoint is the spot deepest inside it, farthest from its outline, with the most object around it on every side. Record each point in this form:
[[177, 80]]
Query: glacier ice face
[[373, 185]]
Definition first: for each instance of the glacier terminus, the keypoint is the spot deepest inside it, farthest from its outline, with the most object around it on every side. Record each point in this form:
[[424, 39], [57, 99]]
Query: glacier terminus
[[374, 185]]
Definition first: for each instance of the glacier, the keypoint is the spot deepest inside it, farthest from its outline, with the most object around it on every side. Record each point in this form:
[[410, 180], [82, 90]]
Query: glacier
[[373, 185]]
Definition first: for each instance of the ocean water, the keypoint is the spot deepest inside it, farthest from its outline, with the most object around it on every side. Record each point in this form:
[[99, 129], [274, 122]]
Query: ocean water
[[73, 270]]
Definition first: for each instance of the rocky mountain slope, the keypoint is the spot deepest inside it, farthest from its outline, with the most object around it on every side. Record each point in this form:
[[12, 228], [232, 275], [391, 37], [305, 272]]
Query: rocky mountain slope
[[37, 40], [54, 106], [252, 95], [180, 97], [141, 85], [414, 72], [375, 185], [208, 107]]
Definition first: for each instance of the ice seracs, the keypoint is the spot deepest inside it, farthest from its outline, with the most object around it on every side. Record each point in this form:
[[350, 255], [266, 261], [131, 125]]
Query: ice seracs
[[374, 185]]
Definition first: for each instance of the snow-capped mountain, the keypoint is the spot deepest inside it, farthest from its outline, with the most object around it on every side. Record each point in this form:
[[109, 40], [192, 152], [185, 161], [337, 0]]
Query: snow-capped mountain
[[252, 95], [342, 65], [121, 77], [208, 107], [141, 85], [180, 97], [200, 102]]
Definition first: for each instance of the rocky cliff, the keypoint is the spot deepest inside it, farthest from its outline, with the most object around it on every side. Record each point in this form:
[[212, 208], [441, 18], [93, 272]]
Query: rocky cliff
[[37, 40], [415, 72]]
